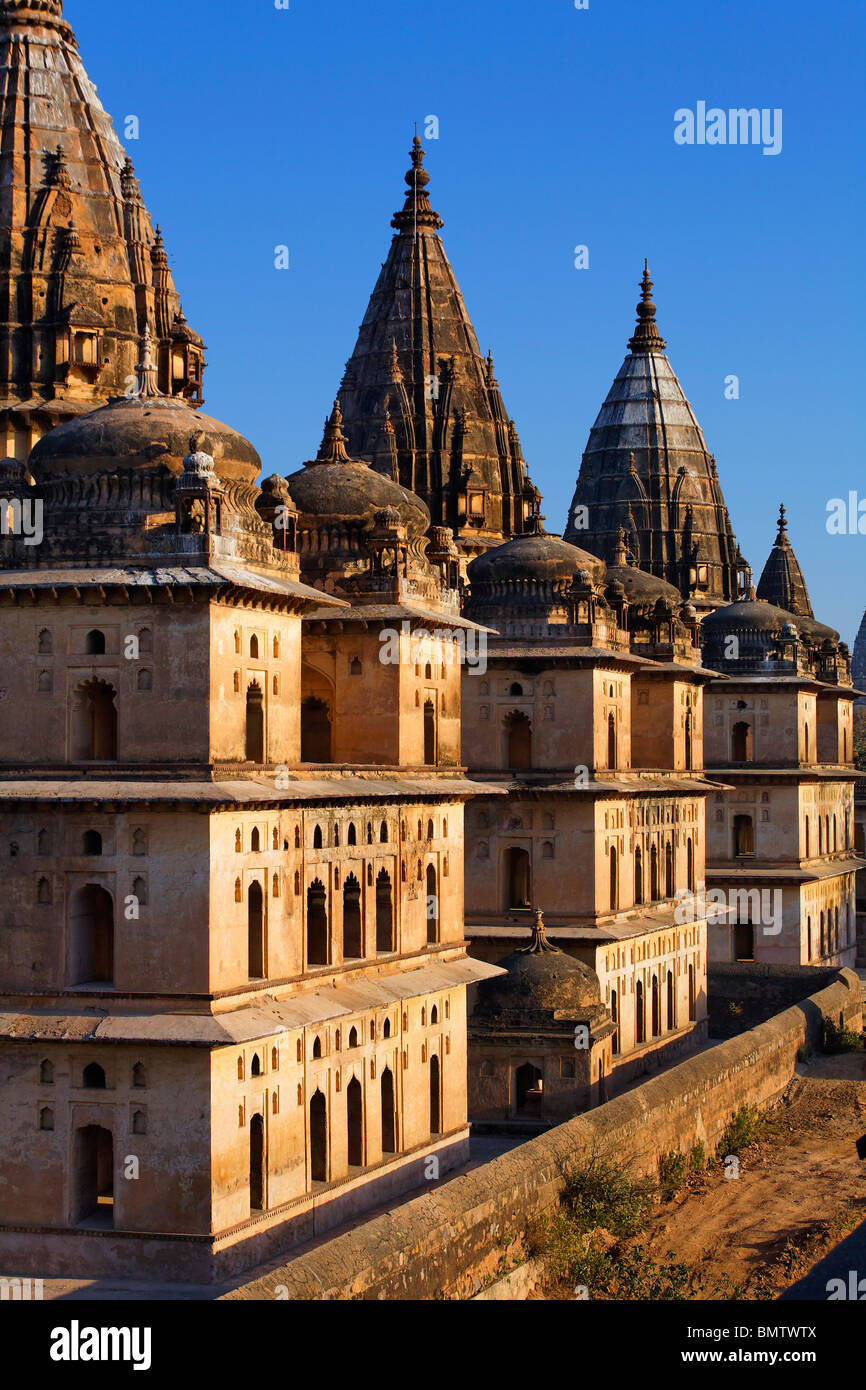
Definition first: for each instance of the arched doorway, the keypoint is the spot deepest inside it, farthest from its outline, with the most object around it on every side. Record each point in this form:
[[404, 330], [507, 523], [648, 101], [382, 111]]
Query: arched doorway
[[614, 880], [672, 1016], [656, 1007], [435, 1096], [255, 742], [256, 931], [257, 1163], [430, 740], [95, 723], [741, 743], [518, 732], [389, 1127], [654, 874], [432, 906], [318, 1138], [352, 944], [669, 871], [317, 924], [528, 1090], [94, 1176], [91, 937], [315, 731], [744, 836], [639, 1014], [611, 742], [689, 754], [384, 913], [518, 885], [638, 876], [355, 1123], [744, 941]]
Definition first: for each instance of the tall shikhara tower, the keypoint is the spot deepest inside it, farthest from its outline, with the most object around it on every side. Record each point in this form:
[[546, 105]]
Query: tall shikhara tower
[[82, 272], [419, 401], [647, 470]]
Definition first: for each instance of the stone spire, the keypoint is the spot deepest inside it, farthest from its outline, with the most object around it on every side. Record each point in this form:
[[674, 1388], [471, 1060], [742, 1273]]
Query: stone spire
[[646, 470], [417, 357], [77, 282], [782, 582]]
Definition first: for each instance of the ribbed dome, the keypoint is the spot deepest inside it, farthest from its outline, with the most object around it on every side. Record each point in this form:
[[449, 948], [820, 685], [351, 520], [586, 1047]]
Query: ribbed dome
[[334, 489], [138, 433], [647, 470], [541, 982], [539, 557]]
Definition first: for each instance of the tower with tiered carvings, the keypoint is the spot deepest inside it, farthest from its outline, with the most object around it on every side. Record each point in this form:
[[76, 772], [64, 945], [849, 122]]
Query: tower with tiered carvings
[[82, 270]]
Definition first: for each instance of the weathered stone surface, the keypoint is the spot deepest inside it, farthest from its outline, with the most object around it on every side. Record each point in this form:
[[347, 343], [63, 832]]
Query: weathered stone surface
[[81, 269]]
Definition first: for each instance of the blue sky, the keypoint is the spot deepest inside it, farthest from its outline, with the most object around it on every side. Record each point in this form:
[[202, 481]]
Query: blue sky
[[262, 127]]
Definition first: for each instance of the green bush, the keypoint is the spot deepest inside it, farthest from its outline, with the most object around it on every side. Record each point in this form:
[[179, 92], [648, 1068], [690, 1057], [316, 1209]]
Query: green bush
[[698, 1157], [840, 1038], [673, 1168], [745, 1127], [600, 1193]]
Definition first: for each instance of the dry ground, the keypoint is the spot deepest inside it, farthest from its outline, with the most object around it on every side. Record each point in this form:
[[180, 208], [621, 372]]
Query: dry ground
[[801, 1190]]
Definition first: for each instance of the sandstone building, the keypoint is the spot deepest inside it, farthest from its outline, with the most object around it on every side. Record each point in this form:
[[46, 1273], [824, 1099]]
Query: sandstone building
[[233, 977], [779, 730], [590, 717]]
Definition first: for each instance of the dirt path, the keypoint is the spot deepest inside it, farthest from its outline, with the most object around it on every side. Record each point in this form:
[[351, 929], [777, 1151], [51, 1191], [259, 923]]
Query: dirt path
[[800, 1190]]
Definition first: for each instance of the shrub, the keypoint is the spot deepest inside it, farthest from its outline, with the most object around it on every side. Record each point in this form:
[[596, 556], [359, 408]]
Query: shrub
[[745, 1127], [600, 1193], [673, 1167], [698, 1157], [839, 1038]]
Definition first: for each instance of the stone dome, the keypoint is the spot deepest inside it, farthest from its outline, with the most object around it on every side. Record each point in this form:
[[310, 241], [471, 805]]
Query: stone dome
[[641, 589], [336, 490], [755, 616], [138, 434], [542, 982], [538, 558]]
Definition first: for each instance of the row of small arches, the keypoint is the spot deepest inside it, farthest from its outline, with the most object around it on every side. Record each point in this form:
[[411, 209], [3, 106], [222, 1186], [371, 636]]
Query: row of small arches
[[93, 1076], [94, 642], [255, 646], [319, 836]]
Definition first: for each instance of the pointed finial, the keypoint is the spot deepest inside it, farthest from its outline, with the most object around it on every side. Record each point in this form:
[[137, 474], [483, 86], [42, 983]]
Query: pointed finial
[[157, 251], [417, 213], [782, 537], [539, 941], [146, 386], [333, 449], [646, 337]]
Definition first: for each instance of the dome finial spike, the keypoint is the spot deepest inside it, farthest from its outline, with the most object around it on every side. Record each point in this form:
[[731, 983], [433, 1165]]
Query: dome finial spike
[[333, 448], [146, 386], [646, 337], [417, 213]]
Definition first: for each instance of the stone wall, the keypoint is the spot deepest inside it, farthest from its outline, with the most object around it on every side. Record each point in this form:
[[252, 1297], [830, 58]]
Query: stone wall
[[744, 995], [448, 1242]]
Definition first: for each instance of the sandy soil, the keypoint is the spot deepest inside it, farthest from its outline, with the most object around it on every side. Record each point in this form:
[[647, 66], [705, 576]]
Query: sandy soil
[[801, 1190]]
